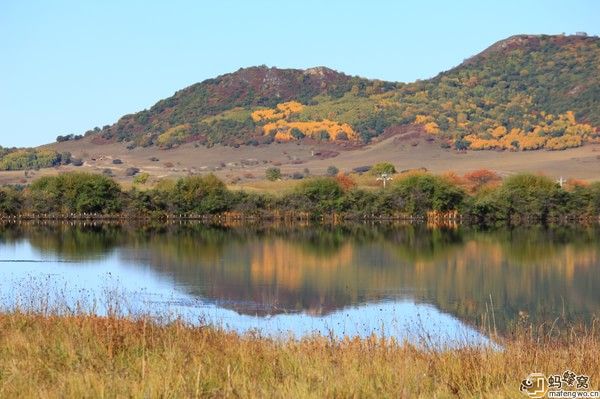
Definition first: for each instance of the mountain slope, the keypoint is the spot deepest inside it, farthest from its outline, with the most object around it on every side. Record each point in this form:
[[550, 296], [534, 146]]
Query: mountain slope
[[219, 110], [528, 83], [526, 92]]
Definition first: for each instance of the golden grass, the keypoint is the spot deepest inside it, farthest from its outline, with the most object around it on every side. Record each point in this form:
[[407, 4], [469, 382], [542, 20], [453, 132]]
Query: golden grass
[[278, 187], [87, 356]]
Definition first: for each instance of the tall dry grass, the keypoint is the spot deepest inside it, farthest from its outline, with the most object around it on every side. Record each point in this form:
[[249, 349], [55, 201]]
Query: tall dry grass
[[49, 356]]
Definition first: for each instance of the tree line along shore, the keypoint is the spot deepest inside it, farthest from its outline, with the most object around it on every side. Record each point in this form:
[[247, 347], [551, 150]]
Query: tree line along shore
[[478, 197]]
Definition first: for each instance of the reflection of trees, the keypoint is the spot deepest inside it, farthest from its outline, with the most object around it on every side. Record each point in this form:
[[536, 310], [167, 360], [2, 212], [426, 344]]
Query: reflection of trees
[[322, 268], [73, 242]]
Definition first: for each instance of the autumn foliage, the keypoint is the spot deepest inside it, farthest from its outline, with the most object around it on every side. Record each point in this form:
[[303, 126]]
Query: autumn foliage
[[282, 111], [527, 92], [551, 132], [284, 129], [481, 178], [322, 130], [345, 181], [174, 135]]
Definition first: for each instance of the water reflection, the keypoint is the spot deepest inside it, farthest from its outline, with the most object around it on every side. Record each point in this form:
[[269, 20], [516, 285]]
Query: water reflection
[[300, 276]]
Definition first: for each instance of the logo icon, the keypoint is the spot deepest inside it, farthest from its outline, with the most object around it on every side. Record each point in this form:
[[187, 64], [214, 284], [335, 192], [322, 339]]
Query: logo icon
[[534, 386]]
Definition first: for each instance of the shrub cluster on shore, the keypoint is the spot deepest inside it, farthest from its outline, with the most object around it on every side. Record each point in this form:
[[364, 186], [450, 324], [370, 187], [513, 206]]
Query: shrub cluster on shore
[[477, 197]]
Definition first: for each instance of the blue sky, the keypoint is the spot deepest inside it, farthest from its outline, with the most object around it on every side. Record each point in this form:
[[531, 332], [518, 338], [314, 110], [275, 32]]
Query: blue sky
[[67, 66]]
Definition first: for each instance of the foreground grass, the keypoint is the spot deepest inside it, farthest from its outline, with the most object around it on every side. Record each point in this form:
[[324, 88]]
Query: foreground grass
[[88, 356]]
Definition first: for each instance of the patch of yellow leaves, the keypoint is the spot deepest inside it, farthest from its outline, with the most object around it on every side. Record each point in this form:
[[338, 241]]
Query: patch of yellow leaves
[[428, 124], [312, 129], [552, 133], [277, 121], [566, 141], [282, 111], [422, 119], [432, 128], [174, 134]]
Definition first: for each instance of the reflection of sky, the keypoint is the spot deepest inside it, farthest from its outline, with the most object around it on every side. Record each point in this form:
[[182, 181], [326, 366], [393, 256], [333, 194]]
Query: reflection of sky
[[147, 291]]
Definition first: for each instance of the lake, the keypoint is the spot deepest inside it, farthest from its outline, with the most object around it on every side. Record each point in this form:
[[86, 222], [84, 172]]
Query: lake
[[449, 286]]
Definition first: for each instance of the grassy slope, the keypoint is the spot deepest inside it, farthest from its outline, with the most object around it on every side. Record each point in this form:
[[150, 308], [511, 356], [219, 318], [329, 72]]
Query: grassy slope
[[580, 163], [84, 356]]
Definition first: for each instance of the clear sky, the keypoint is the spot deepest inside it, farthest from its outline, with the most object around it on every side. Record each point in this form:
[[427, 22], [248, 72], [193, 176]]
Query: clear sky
[[67, 66]]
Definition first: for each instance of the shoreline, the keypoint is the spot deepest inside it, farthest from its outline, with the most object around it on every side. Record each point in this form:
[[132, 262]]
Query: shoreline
[[414, 197], [300, 217]]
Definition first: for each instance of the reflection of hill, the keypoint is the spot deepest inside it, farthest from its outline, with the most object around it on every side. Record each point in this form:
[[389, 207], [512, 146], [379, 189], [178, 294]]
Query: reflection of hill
[[563, 279], [259, 275], [322, 269]]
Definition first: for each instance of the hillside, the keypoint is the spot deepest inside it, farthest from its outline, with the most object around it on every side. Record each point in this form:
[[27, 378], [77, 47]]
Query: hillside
[[541, 91], [221, 110], [523, 93]]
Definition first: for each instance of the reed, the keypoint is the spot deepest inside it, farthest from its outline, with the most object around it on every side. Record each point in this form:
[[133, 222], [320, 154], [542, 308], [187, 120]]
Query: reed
[[57, 356]]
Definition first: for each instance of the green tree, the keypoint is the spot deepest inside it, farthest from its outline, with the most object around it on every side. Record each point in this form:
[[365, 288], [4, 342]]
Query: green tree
[[29, 159], [594, 199], [141, 178], [419, 193], [297, 133], [320, 194], [201, 194], [531, 197], [461, 144], [75, 192], [383, 167], [323, 135], [332, 171], [11, 201], [273, 174]]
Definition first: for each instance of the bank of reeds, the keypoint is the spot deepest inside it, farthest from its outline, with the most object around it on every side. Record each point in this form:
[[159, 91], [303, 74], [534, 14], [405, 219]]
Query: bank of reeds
[[50, 356]]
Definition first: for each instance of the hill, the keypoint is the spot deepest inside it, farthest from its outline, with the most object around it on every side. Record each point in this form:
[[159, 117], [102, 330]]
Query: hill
[[526, 92], [222, 110]]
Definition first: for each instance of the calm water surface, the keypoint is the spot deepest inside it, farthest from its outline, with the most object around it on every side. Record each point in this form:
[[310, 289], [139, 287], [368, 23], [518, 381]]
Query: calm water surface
[[447, 286]]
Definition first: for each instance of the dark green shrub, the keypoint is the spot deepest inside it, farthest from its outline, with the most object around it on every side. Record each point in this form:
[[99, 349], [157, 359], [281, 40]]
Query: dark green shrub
[[383, 167], [201, 194], [11, 201], [75, 193], [419, 193], [332, 171], [273, 174]]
